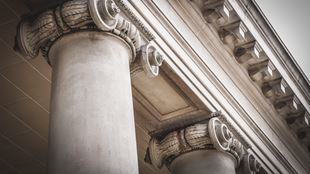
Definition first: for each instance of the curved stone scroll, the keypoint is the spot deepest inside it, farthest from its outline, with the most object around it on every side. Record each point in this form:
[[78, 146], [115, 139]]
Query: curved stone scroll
[[151, 60], [104, 13], [224, 140], [148, 60]]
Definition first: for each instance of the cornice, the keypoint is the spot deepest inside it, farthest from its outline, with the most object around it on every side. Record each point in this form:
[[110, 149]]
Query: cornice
[[260, 21], [233, 31], [199, 82]]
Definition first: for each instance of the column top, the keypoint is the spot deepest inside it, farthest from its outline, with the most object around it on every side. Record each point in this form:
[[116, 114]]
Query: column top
[[210, 135], [40, 32]]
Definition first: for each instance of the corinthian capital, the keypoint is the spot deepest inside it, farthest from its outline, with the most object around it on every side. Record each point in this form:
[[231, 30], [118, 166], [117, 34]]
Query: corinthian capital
[[71, 16], [213, 135]]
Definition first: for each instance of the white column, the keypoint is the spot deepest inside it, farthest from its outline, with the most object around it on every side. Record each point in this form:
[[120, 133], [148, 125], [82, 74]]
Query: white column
[[203, 162], [91, 124], [90, 47]]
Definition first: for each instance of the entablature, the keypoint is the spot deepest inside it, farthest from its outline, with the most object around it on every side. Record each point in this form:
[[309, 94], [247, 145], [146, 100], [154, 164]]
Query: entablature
[[198, 49]]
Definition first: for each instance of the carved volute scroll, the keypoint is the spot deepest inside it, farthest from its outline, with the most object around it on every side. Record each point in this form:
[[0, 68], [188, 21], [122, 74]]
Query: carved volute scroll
[[73, 16], [104, 14], [149, 59], [224, 140], [211, 135]]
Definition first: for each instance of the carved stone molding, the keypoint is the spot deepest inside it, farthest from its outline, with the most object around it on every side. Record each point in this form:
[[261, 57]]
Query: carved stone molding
[[217, 11], [233, 33], [146, 32], [148, 60], [246, 51], [72, 16], [224, 140], [210, 135], [234, 131], [252, 57]]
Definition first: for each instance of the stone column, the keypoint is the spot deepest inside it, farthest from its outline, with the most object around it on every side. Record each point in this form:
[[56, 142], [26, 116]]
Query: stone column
[[203, 148], [92, 125], [203, 162], [90, 47]]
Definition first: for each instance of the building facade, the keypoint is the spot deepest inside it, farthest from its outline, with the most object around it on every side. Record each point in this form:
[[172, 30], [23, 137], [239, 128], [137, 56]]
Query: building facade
[[149, 86]]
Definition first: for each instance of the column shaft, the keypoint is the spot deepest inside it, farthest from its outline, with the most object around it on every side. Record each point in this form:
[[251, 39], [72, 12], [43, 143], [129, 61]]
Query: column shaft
[[91, 122], [203, 162]]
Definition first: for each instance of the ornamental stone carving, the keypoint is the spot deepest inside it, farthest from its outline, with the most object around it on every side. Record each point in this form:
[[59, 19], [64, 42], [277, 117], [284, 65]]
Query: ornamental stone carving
[[73, 16], [220, 15], [88, 15], [211, 135], [216, 11], [148, 60], [224, 140]]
